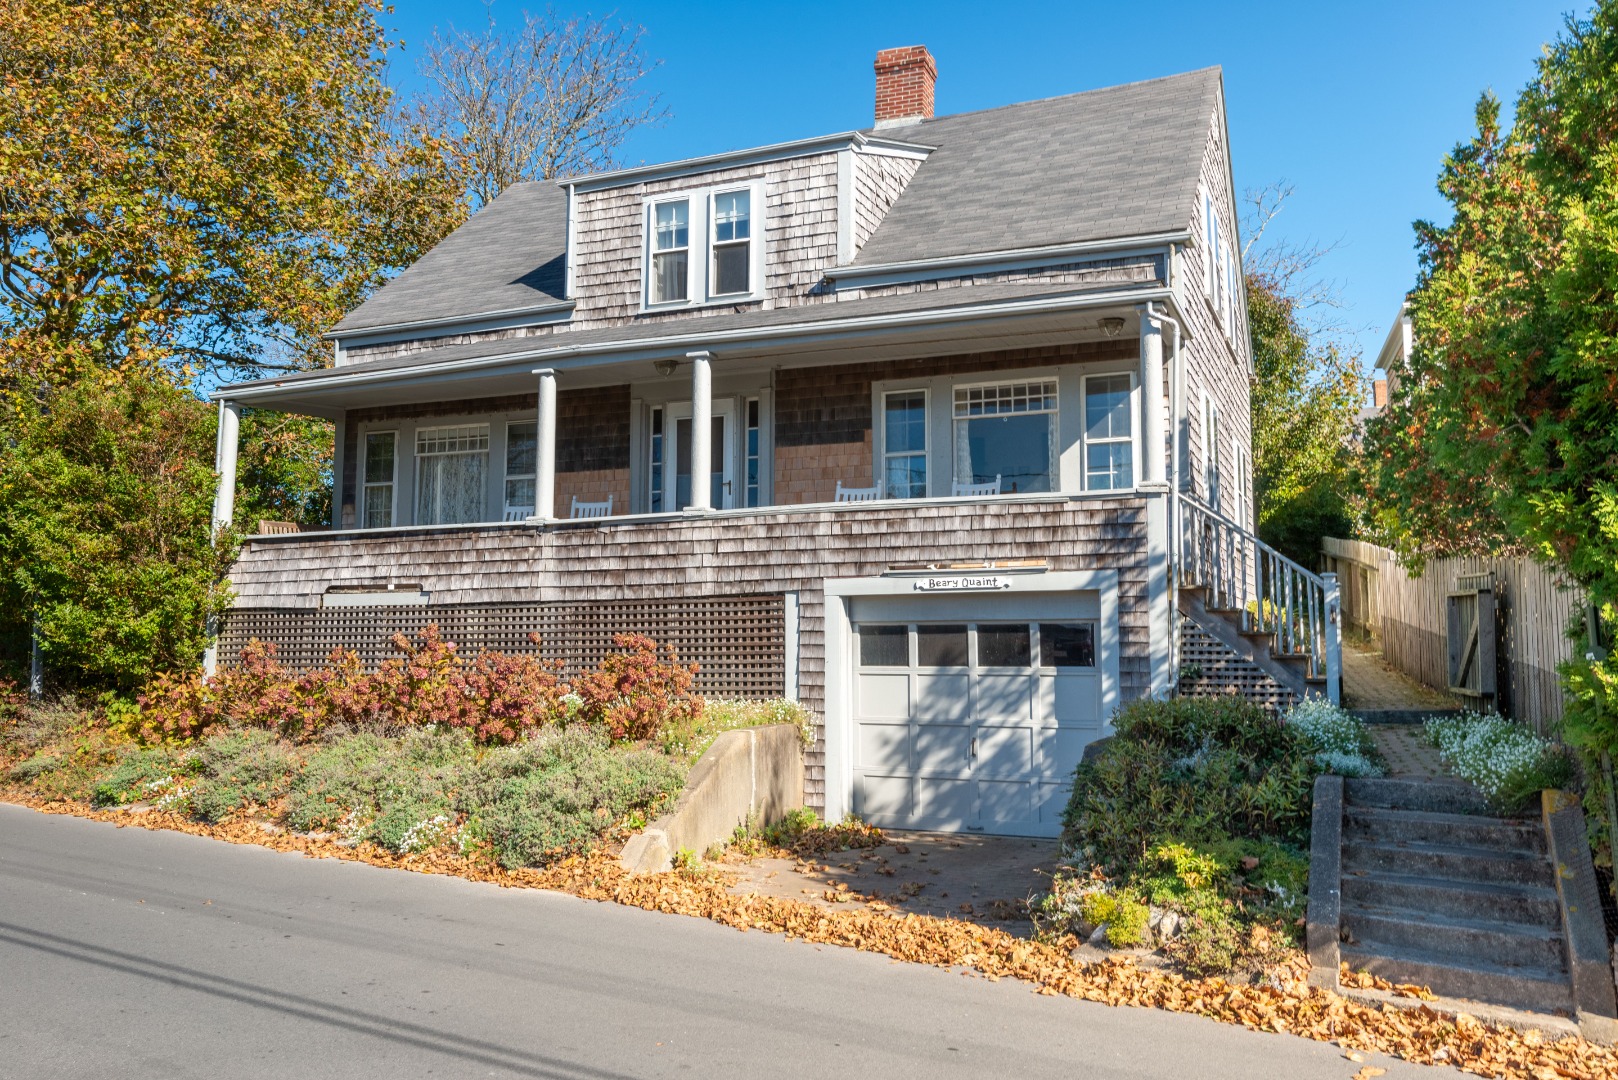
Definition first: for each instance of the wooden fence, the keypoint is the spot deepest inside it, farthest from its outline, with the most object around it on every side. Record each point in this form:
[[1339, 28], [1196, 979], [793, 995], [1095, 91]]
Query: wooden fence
[[1408, 615]]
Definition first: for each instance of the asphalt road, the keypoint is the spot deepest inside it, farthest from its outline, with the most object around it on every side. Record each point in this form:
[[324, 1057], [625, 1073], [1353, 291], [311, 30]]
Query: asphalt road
[[133, 954]]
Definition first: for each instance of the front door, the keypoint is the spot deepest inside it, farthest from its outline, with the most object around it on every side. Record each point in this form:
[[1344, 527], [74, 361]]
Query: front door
[[677, 464]]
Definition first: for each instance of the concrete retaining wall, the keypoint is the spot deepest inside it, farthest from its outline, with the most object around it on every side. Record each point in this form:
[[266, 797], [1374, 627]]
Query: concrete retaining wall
[[1576, 889], [750, 773]]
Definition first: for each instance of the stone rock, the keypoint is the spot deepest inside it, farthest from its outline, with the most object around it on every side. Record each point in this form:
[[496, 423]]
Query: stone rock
[[1098, 936], [1168, 928]]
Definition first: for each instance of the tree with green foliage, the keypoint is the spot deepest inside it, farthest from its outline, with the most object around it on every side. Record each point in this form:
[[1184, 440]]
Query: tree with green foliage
[[1307, 388], [1503, 431], [106, 544]]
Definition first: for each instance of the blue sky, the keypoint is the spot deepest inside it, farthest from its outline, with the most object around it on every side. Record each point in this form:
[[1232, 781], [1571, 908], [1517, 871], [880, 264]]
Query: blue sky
[[1355, 104]]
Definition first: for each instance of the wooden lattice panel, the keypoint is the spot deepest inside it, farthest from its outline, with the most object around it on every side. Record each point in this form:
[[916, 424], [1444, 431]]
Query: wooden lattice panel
[[1220, 670], [739, 641]]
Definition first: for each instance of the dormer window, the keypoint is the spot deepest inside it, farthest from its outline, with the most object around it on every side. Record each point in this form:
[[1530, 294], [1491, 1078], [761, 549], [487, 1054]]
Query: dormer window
[[671, 252], [732, 213], [701, 247]]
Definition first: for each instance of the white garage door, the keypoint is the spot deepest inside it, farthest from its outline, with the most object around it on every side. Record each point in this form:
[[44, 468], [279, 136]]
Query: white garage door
[[972, 715]]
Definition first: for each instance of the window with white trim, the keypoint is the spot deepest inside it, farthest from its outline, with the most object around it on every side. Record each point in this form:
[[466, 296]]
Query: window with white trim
[[704, 246], [1210, 451], [522, 454], [1007, 431], [381, 470], [452, 464], [732, 243], [904, 444], [671, 251], [1109, 432]]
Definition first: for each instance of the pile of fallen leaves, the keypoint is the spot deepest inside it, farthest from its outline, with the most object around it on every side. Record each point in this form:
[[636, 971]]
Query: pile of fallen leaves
[[1284, 1002]]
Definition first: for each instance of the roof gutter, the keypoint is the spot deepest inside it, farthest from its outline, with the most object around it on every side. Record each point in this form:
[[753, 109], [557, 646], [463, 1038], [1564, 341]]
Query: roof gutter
[[555, 307], [1009, 259], [597, 353]]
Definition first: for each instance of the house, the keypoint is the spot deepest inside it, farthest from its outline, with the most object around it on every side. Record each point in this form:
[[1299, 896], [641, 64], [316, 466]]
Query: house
[[939, 426]]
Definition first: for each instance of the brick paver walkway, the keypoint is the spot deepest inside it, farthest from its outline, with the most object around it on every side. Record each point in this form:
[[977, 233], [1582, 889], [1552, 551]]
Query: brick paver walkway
[[1408, 753], [1370, 683]]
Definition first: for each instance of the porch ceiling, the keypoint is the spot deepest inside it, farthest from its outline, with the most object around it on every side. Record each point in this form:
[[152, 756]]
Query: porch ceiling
[[988, 318]]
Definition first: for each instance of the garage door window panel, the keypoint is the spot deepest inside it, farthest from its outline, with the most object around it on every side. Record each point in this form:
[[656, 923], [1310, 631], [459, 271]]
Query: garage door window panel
[[941, 646], [1004, 645], [1067, 645], [884, 646]]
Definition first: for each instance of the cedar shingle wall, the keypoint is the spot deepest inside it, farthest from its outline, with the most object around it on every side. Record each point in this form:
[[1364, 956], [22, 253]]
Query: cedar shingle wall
[[706, 558]]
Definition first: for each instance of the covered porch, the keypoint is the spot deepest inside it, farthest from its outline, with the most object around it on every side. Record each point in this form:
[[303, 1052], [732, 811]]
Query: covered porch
[[974, 402]]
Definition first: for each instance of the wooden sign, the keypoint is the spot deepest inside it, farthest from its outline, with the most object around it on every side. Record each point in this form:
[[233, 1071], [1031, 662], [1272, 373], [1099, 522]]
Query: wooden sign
[[962, 583]]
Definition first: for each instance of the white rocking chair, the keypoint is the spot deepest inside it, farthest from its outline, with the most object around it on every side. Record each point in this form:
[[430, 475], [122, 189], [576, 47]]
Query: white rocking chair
[[591, 509], [990, 487], [519, 513], [858, 494]]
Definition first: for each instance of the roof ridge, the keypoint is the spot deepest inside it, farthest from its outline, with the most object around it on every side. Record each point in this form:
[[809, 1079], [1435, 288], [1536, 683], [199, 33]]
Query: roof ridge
[[891, 128]]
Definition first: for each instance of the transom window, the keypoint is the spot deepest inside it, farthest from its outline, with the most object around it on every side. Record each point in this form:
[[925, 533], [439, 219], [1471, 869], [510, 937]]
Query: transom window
[[1007, 432], [732, 230], [452, 464], [1109, 432], [671, 251]]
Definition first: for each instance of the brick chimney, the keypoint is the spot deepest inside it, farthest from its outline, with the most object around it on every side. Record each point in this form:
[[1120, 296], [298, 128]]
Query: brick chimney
[[1379, 394], [905, 78]]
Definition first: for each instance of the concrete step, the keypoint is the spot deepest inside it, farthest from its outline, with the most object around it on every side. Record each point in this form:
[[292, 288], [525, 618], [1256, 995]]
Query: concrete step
[[1384, 825], [1452, 862], [1477, 979], [1434, 796], [1489, 901], [1509, 945]]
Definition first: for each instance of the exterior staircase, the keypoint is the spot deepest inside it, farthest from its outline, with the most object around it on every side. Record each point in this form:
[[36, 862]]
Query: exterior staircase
[[1275, 616], [1438, 893]]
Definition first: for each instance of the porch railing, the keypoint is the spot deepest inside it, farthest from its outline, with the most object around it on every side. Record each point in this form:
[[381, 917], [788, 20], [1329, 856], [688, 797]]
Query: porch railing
[[1267, 591]]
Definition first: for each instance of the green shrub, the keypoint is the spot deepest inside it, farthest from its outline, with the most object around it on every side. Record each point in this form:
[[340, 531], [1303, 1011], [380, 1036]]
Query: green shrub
[[1196, 771], [371, 788], [155, 773], [560, 792], [31, 769], [236, 769], [1124, 916]]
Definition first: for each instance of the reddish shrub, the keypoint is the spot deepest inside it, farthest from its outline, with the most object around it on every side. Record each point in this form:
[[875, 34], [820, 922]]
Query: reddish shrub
[[636, 692], [511, 694], [179, 707], [338, 693], [423, 685]]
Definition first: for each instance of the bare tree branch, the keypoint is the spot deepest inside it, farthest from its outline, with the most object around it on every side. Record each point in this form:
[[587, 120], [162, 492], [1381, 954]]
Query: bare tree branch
[[556, 98]]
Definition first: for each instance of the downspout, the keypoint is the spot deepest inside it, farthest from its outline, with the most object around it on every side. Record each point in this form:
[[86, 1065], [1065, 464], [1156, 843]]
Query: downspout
[[1176, 404]]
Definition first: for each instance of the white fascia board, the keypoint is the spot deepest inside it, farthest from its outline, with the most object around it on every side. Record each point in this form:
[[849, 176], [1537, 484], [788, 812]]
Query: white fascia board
[[864, 277], [735, 158], [472, 322], [575, 357]]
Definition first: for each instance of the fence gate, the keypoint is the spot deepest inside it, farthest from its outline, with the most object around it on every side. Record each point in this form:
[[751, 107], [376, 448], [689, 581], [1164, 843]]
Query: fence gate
[[1470, 622]]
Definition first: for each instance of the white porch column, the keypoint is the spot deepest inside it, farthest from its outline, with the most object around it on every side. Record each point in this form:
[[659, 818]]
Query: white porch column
[[1151, 385], [225, 450], [701, 431], [545, 439]]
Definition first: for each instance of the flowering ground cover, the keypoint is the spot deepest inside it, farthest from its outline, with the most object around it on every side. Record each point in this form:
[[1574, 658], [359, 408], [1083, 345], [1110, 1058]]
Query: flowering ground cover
[[1505, 760]]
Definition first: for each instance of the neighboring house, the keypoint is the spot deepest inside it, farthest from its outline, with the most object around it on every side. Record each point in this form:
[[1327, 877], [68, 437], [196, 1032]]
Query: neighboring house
[[889, 421]]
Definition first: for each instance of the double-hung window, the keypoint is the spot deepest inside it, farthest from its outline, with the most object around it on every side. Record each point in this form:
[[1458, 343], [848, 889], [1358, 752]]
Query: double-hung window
[[522, 454], [705, 246], [1007, 431], [380, 470], [904, 444], [732, 243], [451, 466], [671, 251], [1109, 432]]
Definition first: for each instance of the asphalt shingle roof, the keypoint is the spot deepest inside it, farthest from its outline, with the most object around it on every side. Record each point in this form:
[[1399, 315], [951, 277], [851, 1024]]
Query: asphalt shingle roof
[[508, 256], [1101, 164], [1120, 161]]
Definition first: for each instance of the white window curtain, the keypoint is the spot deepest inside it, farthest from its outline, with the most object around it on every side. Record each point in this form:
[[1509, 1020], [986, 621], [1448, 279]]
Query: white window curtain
[[452, 465]]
